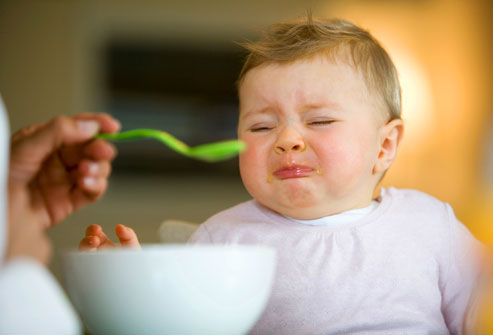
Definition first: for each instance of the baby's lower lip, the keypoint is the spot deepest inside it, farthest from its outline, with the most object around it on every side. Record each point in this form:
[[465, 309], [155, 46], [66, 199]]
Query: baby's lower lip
[[294, 172]]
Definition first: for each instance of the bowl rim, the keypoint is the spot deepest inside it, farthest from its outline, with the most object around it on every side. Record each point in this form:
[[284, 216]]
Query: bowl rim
[[172, 247]]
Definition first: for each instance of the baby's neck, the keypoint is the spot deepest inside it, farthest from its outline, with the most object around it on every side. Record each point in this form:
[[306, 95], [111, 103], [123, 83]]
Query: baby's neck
[[321, 211], [348, 216]]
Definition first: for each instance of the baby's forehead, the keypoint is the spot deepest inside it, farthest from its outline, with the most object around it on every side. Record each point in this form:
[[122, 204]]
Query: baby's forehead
[[306, 82], [310, 72], [305, 79]]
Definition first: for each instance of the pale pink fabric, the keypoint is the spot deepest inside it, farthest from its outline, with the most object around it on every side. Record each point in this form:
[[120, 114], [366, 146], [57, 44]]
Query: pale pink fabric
[[406, 268]]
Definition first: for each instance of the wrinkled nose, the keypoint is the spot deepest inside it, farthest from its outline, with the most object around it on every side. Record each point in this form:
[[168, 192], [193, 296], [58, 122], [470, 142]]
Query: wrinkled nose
[[289, 140]]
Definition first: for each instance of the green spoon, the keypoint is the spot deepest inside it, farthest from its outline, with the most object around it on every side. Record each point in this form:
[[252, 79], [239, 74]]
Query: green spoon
[[211, 152]]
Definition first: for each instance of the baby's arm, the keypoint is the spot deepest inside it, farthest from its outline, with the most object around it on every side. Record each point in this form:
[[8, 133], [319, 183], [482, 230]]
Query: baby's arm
[[200, 236], [480, 310], [96, 239], [461, 275]]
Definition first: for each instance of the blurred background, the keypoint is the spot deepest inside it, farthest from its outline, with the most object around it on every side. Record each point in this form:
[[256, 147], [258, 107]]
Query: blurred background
[[172, 65]]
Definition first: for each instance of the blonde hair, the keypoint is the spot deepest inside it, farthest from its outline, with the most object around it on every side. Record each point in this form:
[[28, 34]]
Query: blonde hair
[[297, 40]]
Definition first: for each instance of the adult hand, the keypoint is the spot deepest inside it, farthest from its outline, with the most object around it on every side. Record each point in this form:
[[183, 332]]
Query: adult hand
[[55, 169]]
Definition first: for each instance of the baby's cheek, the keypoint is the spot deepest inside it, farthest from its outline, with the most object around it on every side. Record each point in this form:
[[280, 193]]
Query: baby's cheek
[[342, 163], [252, 165], [248, 157]]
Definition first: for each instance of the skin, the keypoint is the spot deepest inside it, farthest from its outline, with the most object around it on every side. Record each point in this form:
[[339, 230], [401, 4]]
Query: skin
[[314, 115], [55, 169], [319, 116], [95, 238]]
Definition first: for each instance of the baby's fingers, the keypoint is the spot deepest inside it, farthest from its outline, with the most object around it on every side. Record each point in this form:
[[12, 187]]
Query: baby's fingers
[[96, 238], [127, 236], [89, 243]]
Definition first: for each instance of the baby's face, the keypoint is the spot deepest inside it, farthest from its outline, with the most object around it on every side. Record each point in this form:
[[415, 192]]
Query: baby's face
[[312, 134]]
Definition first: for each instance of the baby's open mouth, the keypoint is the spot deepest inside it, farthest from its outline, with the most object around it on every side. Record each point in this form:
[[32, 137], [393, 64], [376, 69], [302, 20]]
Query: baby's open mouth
[[293, 171]]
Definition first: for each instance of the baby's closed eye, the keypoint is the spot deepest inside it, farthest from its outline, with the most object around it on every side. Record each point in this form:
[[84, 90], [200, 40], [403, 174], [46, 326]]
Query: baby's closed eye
[[261, 127], [320, 122]]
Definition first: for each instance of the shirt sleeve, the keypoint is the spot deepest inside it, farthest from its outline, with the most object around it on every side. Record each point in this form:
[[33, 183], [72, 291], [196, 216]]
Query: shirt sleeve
[[201, 236], [461, 276], [32, 302]]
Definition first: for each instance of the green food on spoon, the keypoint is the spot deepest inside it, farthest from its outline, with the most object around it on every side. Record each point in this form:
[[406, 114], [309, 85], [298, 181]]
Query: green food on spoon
[[210, 152]]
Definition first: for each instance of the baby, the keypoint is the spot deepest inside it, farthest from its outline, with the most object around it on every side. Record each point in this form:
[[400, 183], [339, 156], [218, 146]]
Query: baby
[[320, 114]]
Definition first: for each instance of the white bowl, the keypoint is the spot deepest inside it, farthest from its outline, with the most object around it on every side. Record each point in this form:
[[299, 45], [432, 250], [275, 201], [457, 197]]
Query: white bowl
[[171, 289]]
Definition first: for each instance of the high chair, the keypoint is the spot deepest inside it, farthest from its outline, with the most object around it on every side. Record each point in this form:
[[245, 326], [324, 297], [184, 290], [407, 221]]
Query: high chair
[[176, 231]]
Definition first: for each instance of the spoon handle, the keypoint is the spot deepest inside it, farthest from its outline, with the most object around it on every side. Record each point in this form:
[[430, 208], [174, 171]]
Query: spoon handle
[[210, 152], [137, 134]]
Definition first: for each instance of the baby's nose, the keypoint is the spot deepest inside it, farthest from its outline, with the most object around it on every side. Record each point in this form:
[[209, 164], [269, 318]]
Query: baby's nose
[[289, 140]]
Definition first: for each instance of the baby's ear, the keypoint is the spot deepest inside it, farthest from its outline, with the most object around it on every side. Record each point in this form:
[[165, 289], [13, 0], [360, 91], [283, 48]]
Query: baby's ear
[[390, 137]]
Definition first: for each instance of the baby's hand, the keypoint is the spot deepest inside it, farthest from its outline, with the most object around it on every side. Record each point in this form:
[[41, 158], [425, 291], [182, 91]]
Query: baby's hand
[[96, 239]]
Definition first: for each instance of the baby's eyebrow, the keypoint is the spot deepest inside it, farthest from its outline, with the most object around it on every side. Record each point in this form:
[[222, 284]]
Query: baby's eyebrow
[[327, 104], [254, 111], [305, 108]]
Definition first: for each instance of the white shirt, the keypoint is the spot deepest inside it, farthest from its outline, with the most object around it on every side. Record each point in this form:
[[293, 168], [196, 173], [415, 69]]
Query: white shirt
[[406, 267], [31, 301]]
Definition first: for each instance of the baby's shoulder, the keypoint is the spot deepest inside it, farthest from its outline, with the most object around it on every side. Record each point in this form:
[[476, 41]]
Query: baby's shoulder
[[243, 223], [423, 219], [423, 212], [414, 200], [242, 212]]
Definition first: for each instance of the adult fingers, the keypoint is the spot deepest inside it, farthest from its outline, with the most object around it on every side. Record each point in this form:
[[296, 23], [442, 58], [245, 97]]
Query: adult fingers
[[54, 186], [97, 149], [34, 146], [30, 151], [88, 168], [91, 179], [127, 236], [25, 132], [88, 190], [108, 124]]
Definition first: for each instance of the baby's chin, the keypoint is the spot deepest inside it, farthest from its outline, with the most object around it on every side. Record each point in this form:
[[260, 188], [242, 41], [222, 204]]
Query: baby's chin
[[301, 206], [307, 213]]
